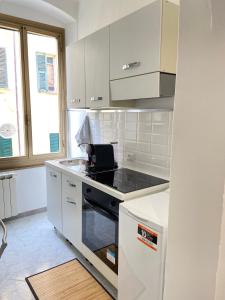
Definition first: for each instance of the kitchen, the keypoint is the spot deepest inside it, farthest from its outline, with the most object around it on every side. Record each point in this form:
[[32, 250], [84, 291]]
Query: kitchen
[[198, 149]]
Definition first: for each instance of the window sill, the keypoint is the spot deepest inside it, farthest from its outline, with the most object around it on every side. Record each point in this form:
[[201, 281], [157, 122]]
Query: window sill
[[15, 163]]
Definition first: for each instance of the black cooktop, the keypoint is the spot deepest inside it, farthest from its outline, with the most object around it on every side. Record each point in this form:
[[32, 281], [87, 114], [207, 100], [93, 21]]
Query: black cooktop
[[126, 180]]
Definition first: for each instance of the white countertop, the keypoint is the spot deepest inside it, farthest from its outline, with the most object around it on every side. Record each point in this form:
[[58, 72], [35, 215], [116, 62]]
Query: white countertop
[[79, 171], [152, 210]]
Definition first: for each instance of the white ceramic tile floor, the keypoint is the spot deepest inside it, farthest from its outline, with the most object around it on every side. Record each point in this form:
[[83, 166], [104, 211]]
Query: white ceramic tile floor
[[33, 246]]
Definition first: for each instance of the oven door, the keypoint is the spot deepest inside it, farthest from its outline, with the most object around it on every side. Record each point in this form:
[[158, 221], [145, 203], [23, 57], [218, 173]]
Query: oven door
[[100, 232]]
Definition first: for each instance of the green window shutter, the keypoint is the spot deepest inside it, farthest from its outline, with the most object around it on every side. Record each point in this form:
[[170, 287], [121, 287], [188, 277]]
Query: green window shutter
[[5, 147], [3, 69], [50, 72], [42, 77], [54, 142]]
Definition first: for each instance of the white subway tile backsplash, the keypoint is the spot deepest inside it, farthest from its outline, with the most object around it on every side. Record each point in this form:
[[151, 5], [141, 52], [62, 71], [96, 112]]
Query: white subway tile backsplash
[[160, 117], [108, 125], [131, 126], [160, 128], [146, 127], [159, 161], [130, 135], [144, 117], [160, 139], [131, 117], [143, 157], [120, 116], [160, 150], [128, 146], [108, 116], [143, 147], [146, 136]]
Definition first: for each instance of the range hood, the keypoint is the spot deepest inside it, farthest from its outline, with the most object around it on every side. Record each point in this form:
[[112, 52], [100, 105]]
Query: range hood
[[146, 86]]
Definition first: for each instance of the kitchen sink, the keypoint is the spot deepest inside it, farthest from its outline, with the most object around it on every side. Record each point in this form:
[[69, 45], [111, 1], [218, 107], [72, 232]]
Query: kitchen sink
[[73, 162]]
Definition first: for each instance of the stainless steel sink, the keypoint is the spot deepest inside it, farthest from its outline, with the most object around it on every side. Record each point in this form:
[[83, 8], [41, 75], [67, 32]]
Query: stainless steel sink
[[73, 162]]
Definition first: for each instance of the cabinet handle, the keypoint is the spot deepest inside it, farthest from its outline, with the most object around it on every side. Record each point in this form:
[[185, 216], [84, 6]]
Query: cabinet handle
[[76, 100], [68, 200], [96, 98], [131, 65], [71, 184], [53, 175]]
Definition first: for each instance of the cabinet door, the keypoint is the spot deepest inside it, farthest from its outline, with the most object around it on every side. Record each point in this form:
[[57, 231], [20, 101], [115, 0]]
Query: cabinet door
[[140, 267], [75, 75], [71, 209], [54, 203], [97, 68], [135, 43]]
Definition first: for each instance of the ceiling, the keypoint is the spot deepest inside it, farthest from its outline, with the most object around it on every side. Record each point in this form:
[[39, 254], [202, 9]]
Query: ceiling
[[65, 11]]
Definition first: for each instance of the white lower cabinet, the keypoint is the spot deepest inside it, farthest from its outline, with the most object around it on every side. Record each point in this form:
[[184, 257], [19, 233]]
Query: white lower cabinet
[[64, 204], [54, 203], [71, 209]]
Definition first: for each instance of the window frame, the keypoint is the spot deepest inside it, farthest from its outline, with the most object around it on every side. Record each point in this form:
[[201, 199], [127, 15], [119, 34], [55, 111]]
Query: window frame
[[24, 27]]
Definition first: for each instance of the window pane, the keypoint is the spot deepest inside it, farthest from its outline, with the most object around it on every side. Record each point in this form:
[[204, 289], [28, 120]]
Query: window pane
[[12, 142], [43, 72]]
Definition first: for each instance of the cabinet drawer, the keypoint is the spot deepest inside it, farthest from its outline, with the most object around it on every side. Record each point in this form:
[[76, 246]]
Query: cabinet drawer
[[71, 186], [71, 209]]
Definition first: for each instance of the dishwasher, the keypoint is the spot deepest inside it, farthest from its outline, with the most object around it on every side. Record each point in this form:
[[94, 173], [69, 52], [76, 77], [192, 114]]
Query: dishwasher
[[4, 242]]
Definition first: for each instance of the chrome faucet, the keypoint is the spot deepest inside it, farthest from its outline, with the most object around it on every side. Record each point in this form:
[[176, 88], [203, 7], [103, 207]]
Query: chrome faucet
[[4, 242], [82, 144]]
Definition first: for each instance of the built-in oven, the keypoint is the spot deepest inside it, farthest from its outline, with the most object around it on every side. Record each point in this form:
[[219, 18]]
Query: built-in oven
[[100, 220]]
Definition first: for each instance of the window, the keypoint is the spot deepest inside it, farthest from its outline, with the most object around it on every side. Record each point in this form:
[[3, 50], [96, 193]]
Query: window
[[12, 125], [31, 93]]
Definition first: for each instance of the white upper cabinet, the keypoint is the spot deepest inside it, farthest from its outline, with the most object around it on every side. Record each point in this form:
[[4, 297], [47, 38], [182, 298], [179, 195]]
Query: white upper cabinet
[[75, 75], [145, 41], [133, 58], [135, 43], [97, 68]]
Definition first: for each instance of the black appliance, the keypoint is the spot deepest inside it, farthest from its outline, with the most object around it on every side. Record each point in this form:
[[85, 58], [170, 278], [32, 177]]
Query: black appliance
[[125, 180], [100, 216], [100, 157]]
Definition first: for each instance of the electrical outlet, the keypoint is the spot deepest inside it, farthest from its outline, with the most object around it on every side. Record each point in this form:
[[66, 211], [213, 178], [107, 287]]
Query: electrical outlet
[[130, 156]]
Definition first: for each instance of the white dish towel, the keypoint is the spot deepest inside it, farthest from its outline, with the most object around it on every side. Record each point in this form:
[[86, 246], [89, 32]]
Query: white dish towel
[[84, 133]]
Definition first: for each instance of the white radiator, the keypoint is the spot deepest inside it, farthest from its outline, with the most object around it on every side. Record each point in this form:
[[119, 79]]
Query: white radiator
[[8, 207]]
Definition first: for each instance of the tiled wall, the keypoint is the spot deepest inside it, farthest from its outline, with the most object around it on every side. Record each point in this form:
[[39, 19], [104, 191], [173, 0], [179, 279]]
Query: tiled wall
[[144, 138]]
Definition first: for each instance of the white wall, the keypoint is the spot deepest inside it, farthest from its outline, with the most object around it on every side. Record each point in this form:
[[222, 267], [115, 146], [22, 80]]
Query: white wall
[[30, 13], [46, 13], [220, 283], [93, 15], [69, 6], [30, 189], [198, 153]]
